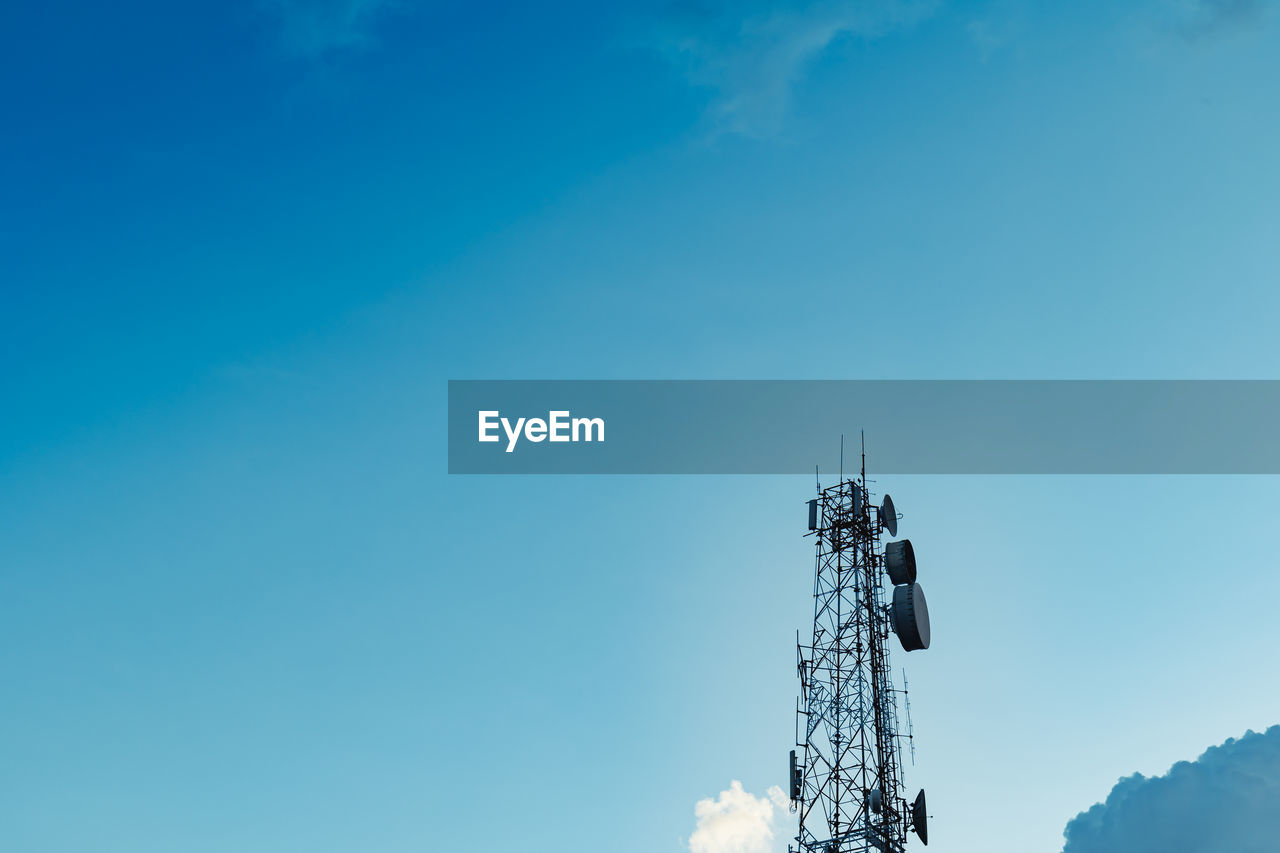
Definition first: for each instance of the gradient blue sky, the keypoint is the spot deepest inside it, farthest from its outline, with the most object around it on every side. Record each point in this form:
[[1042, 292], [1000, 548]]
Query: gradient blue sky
[[242, 606]]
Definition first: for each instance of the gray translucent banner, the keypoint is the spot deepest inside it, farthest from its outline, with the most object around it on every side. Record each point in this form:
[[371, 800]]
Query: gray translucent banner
[[912, 427]]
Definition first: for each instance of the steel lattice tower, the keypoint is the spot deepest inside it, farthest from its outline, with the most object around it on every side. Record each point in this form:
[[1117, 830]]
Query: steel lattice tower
[[846, 782]]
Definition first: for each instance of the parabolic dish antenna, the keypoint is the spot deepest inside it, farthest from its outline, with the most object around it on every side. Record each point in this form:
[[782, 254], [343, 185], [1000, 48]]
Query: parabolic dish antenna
[[900, 561], [920, 818], [910, 617], [889, 516]]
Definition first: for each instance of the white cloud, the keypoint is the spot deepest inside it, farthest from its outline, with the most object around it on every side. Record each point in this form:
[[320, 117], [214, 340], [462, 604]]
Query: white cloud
[[1227, 799], [736, 821]]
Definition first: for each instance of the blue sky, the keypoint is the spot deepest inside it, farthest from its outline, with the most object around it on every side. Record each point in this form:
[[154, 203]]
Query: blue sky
[[245, 245]]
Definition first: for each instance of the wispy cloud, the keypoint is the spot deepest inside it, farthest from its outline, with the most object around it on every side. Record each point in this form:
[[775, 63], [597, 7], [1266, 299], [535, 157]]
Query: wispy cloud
[[995, 25], [313, 28], [1224, 800], [753, 58], [1202, 19], [736, 821]]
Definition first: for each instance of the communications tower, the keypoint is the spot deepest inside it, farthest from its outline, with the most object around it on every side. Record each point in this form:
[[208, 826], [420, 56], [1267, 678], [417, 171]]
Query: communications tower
[[846, 777]]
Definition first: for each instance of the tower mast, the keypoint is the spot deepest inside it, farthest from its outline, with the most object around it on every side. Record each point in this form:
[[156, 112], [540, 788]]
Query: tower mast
[[846, 775]]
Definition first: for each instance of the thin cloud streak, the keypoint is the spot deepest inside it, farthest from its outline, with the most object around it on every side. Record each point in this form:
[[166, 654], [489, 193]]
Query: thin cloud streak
[[1198, 20], [752, 62], [313, 28]]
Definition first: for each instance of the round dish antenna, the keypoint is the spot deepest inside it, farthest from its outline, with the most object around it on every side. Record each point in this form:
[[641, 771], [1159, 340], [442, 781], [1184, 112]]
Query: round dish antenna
[[889, 516], [900, 561], [910, 617], [919, 819]]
